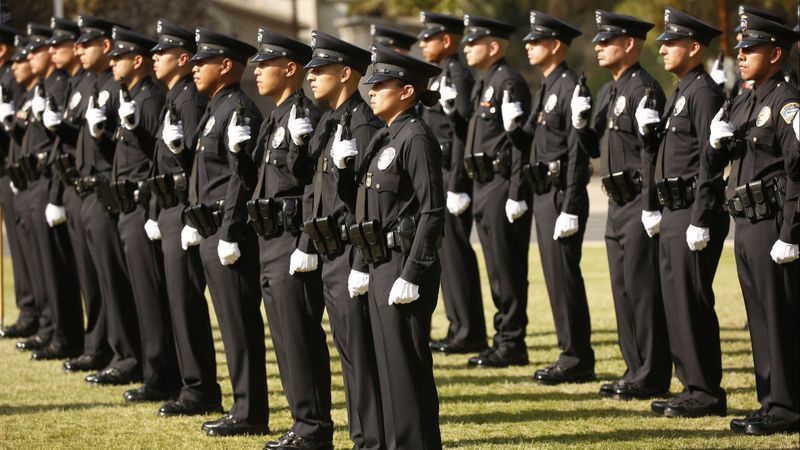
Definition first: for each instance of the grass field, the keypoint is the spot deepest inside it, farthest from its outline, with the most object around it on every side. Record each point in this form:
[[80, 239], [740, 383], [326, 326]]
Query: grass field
[[42, 407]]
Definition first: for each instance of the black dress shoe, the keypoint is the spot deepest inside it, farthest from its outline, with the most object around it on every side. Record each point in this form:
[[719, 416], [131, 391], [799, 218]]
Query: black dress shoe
[[438, 344], [85, 363], [500, 357], [184, 407], [460, 347], [22, 329], [52, 352], [559, 374], [608, 390], [739, 424], [146, 394], [659, 406], [277, 443], [114, 377], [298, 442], [35, 342], [631, 391], [771, 424], [692, 407], [232, 426]]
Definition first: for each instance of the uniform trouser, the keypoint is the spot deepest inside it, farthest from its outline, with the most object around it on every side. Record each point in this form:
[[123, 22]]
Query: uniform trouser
[[146, 271], [561, 262], [350, 325], [405, 367], [58, 273], [686, 284], [188, 310], [237, 304], [95, 338], [461, 283], [772, 301], [23, 290], [294, 305], [635, 285], [115, 286], [505, 247]]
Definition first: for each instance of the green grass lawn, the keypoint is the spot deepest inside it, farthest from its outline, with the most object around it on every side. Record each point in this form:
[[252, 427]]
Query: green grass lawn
[[42, 407]]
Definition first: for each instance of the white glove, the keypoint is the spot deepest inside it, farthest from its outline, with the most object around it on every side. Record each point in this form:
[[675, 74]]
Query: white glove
[[719, 130], [95, 118], [7, 112], [228, 252], [796, 125], [566, 226], [718, 75], [697, 238], [128, 113], [298, 128], [52, 119], [646, 116], [515, 210], [510, 111], [38, 105], [457, 202], [357, 283], [783, 253], [578, 105], [13, 187], [190, 237], [341, 150], [403, 292], [237, 134], [152, 230], [302, 262], [447, 96], [652, 222], [55, 215], [172, 135]]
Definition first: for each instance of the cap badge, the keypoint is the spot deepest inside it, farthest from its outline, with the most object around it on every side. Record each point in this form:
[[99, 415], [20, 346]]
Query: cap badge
[[159, 27]]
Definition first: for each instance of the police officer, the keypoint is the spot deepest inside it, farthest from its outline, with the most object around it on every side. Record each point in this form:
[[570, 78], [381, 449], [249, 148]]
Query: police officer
[[461, 288], [27, 322], [218, 225], [401, 199], [140, 105], [183, 270], [276, 173], [741, 85], [760, 138], [558, 173], [64, 121], [501, 196], [396, 39], [692, 214], [633, 208]]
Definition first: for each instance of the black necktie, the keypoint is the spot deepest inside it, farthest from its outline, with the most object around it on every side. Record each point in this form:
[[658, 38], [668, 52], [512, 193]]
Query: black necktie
[[262, 171], [604, 145], [476, 93], [659, 175]]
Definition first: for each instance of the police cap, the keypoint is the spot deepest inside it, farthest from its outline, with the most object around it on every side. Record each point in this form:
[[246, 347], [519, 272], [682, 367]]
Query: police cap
[[211, 44], [433, 24], [272, 45], [544, 26], [610, 25], [679, 25], [170, 35], [328, 49], [388, 64]]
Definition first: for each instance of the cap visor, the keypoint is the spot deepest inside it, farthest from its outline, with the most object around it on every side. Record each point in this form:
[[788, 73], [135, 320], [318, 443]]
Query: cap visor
[[55, 40], [749, 43], [425, 34], [161, 46], [530, 37], [318, 62], [670, 36], [264, 57], [378, 77], [119, 52], [469, 38], [199, 56], [84, 38], [604, 36]]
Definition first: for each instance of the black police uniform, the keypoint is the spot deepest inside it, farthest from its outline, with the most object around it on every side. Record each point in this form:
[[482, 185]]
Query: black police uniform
[[687, 276], [93, 159], [558, 173], [234, 288], [133, 156], [505, 245], [390, 37], [461, 284], [183, 270], [762, 201], [349, 317], [400, 179], [628, 181]]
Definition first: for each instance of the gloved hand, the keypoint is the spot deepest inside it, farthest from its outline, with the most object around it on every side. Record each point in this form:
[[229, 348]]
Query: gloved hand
[[55, 215], [403, 292], [566, 226], [228, 252], [302, 262], [152, 230], [645, 116], [515, 210], [652, 222], [128, 113], [298, 128], [578, 105], [719, 130], [38, 104], [511, 111], [784, 253], [341, 150], [697, 238], [172, 135], [7, 112], [52, 119], [95, 117], [13, 187], [447, 96], [357, 283], [237, 133], [718, 74], [457, 202], [190, 237]]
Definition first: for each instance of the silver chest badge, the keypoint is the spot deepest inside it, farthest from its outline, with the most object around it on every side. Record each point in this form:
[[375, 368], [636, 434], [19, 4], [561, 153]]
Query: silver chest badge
[[102, 98], [277, 137], [488, 94], [435, 85], [386, 158], [209, 125], [75, 100], [550, 103], [619, 105], [679, 104], [763, 116]]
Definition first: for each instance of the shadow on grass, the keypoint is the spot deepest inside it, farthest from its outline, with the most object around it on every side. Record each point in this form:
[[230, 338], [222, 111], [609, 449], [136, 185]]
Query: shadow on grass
[[10, 410], [608, 437], [541, 414], [521, 396]]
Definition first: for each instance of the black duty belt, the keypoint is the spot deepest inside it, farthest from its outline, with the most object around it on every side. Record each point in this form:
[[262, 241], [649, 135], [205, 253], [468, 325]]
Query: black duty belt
[[374, 243], [758, 200], [170, 189], [327, 235], [676, 193], [481, 167], [64, 166], [622, 187], [271, 217], [542, 176], [206, 219]]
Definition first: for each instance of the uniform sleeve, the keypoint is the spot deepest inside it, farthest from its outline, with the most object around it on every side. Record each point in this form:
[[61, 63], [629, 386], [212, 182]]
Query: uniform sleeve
[[458, 180], [790, 228], [190, 111], [299, 162], [589, 137], [704, 105], [518, 189], [149, 113], [246, 164], [424, 166], [107, 140], [577, 164], [646, 153]]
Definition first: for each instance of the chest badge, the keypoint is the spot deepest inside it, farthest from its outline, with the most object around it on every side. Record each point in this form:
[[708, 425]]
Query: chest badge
[[763, 116], [209, 126], [435, 86], [386, 157], [550, 103], [488, 94], [277, 137], [679, 105], [619, 105], [102, 98], [75, 100]]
